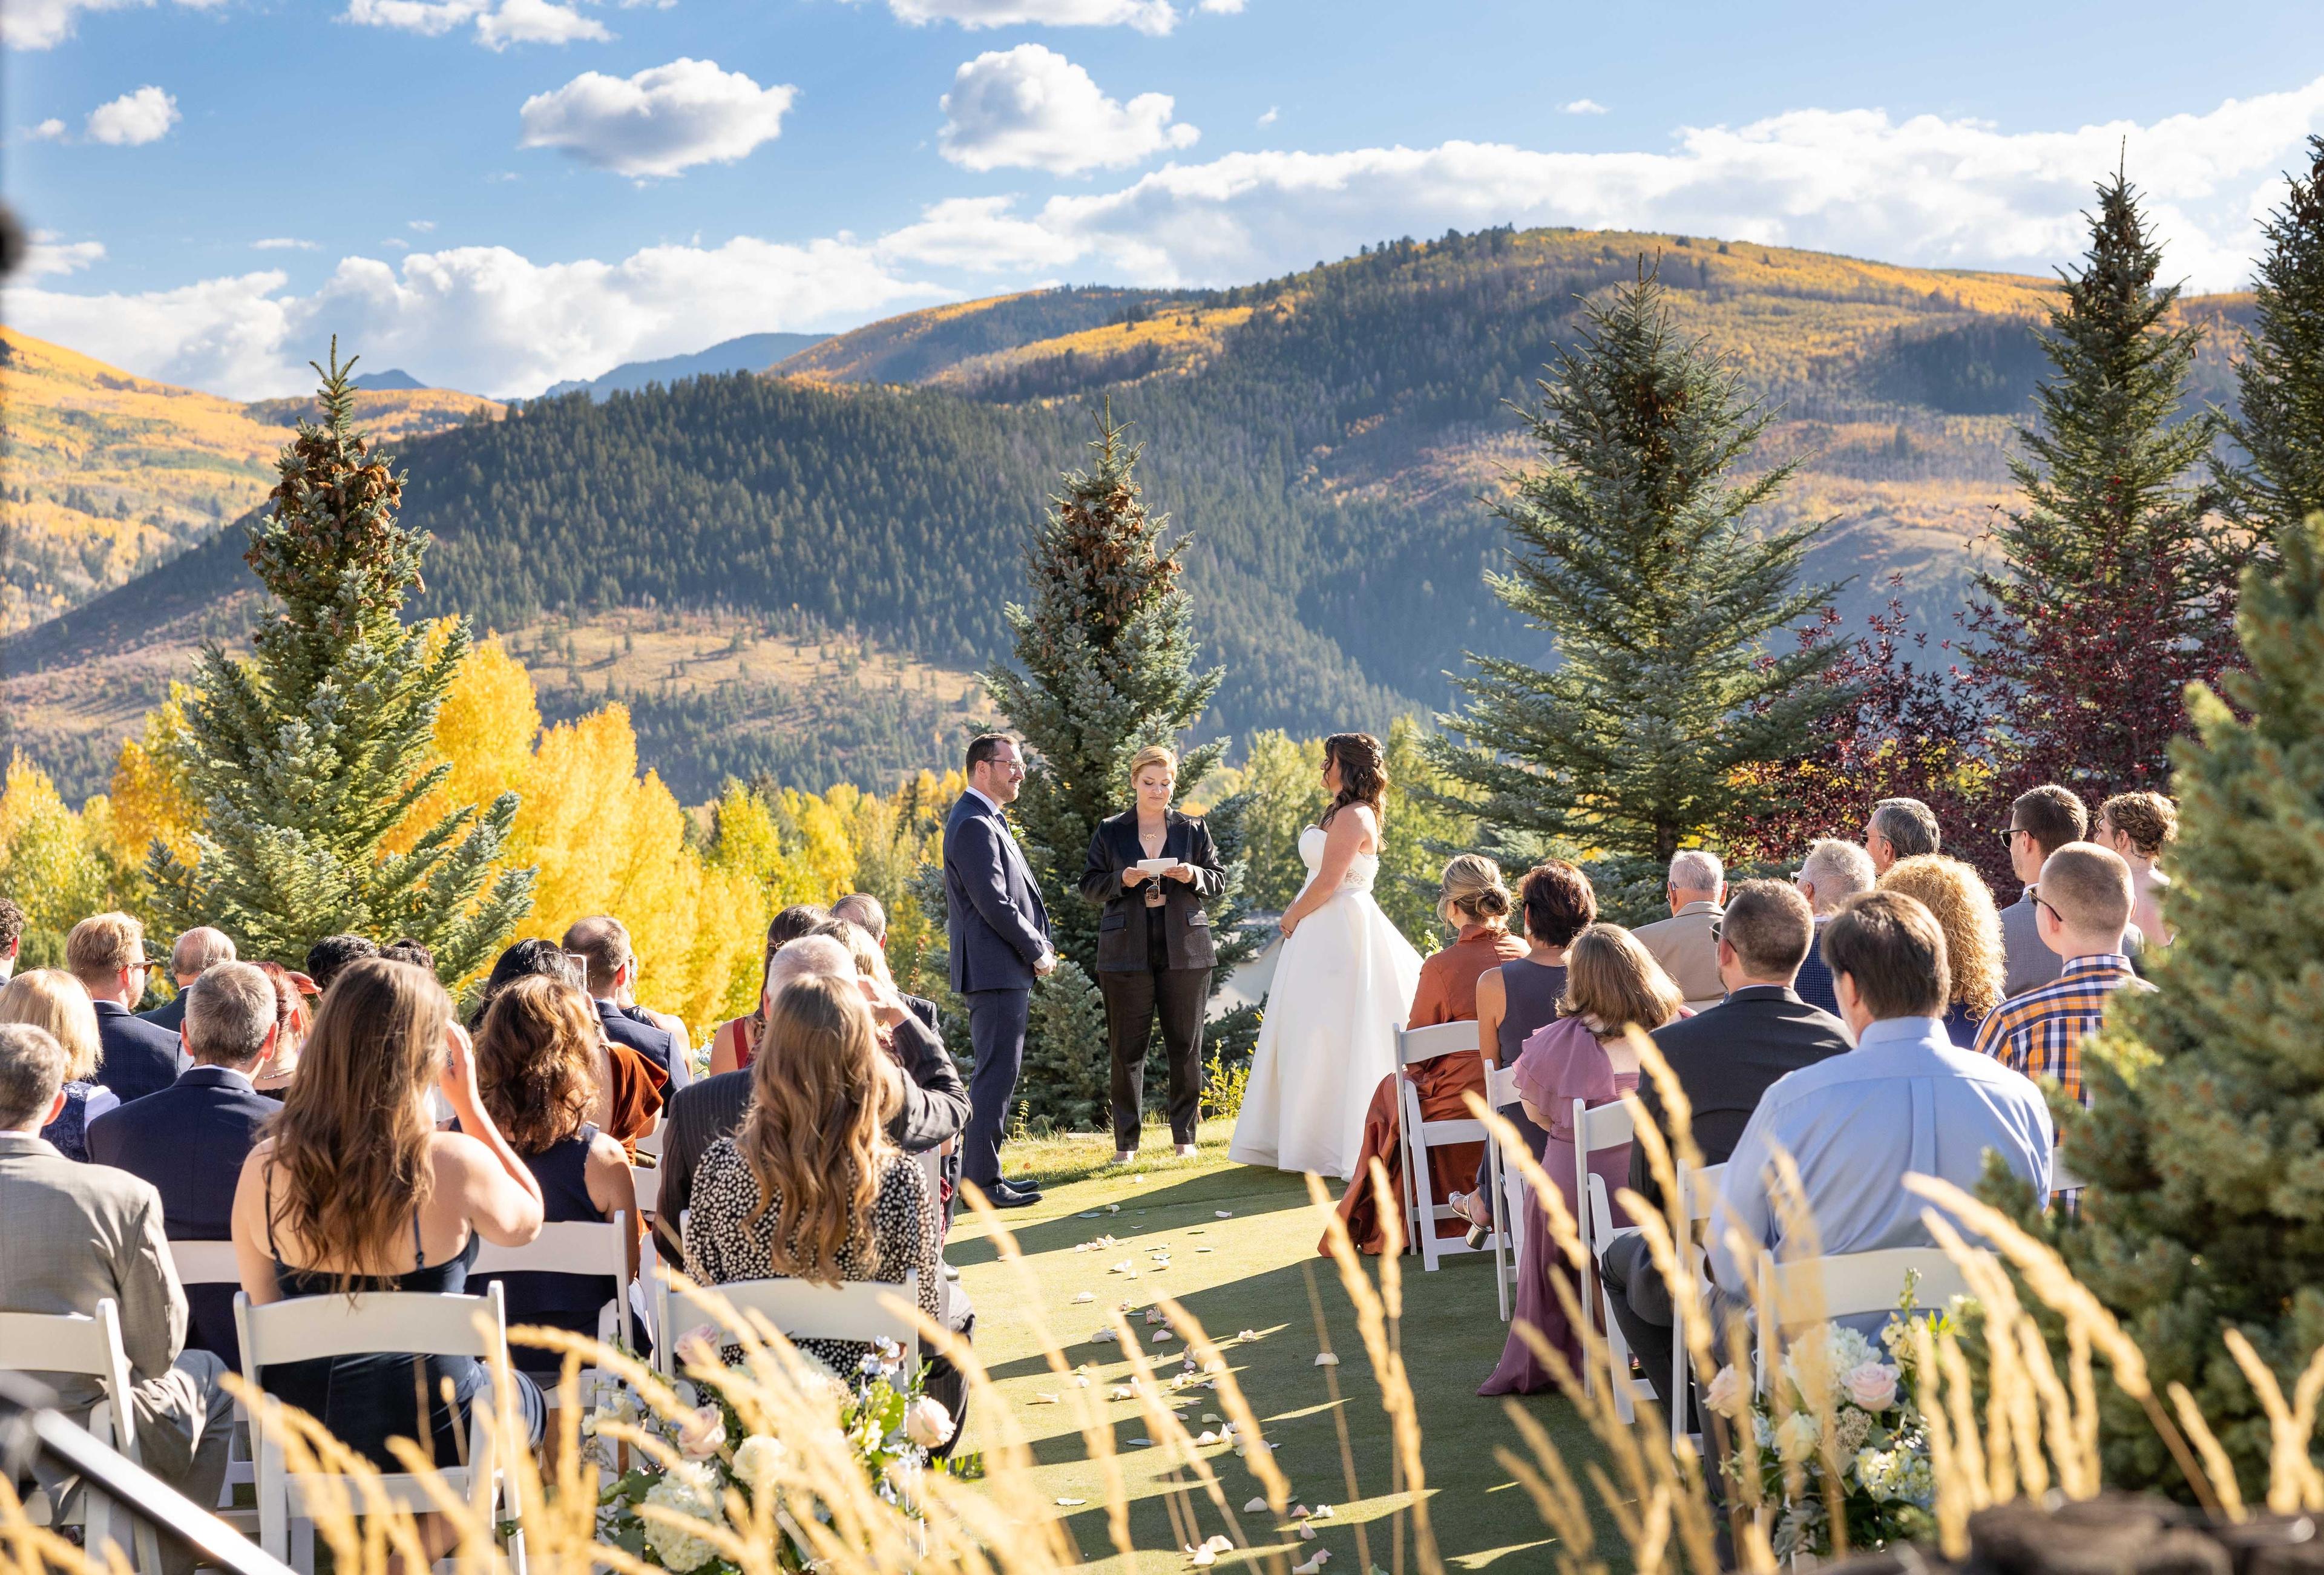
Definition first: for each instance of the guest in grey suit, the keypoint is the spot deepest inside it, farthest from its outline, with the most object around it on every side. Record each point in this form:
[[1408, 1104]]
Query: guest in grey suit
[[74, 1235], [2041, 820], [999, 936]]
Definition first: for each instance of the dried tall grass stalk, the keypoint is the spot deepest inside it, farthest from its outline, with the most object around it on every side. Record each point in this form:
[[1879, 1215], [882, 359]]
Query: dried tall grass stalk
[[1339, 1411], [2293, 1483], [2207, 1445]]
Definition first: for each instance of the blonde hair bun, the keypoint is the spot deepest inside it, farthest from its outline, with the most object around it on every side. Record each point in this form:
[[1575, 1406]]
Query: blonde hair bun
[[1472, 885]]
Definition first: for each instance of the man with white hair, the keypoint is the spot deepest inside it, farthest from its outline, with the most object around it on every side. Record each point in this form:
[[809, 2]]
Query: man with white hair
[[934, 1110], [197, 951], [1900, 828], [1686, 944], [1832, 872]]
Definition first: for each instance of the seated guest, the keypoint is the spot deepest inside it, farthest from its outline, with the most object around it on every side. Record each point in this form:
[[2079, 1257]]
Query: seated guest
[[1907, 1100], [1963, 905], [603, 945], [328, 956], [353, 1190], [293, 1020], [407, 950], [2041, 822], [631, 1090], [74, 1235], [1832, 872], [108, 955], [2085, 901], [537, 1063], [933, 1104], [195, 950], [12, 938], [734, 1040], [1472, 899], [1724, 1059], [2139, 826], [1612, 985], [809, 1187], [1521, 996], [190, 1140], [1681, 944], [863, 910], [1900, 828], [53, 1001]]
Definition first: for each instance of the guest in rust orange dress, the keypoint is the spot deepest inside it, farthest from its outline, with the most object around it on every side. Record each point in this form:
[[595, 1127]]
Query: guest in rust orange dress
[[1475, 902]]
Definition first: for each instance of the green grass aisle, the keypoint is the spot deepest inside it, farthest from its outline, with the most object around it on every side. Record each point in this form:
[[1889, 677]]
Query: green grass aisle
[[1251, 1271]]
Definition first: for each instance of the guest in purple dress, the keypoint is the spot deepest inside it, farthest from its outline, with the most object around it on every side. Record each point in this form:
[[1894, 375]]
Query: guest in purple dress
[[1612, 983]]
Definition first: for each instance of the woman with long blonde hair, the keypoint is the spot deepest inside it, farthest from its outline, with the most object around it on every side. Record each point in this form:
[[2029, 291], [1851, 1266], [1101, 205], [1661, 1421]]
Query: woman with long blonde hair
[[811, 1187], [53, 999]]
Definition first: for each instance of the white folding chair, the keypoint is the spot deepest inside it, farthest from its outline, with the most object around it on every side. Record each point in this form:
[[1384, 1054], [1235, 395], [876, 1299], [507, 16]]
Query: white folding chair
[[575, 1246], [648, 1179], [89, 1348], [1814, 1290], [1413, 1046], [312, 1328], [212, 1262], [1699, 1190], [800, 1309], [1597, 1128], [1508, 1195]]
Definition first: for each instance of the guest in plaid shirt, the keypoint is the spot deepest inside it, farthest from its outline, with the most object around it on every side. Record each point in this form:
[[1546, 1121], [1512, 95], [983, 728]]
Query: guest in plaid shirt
[[2081, 903]]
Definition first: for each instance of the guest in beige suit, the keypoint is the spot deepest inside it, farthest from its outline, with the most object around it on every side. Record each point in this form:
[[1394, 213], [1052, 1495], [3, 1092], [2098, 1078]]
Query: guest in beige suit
[[1686, 944], [73, 1235]]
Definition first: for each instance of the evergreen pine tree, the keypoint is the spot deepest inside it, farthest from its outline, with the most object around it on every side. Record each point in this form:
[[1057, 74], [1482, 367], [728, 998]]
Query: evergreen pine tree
[[1635, 548], [2279, 380], [2206, 1209], [302, 759], [2116, 590]]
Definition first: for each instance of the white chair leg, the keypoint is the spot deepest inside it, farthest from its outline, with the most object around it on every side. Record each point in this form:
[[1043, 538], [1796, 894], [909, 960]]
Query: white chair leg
[[302, 1546], [1501, 1233], [1423, 1187], [273, 1503], [1407, 1144], [1618, 1350]]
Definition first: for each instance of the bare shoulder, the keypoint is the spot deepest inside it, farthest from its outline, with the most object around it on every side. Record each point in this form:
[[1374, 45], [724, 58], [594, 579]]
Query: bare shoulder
[[606, 1150]]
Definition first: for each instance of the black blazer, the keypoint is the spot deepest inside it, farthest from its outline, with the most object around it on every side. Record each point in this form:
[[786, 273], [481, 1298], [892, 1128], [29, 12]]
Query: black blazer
[[996, 927], [1186, 922], [1725, 1058], [656, 1043], [140, 1059]]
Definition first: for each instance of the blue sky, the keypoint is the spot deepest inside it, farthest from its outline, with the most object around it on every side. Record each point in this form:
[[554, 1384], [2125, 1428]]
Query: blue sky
[[497, 194]]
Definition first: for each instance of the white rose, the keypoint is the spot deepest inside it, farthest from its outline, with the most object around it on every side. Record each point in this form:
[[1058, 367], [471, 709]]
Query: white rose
[[1725, 1394], [701, 1433], [1872, 1386], [759, 1462], [928, 1424], [1797, 1436]]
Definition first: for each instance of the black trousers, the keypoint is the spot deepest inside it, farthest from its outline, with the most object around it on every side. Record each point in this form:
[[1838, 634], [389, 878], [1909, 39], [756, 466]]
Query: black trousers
[[1642, 1307], [996, 1027], [1131, 1002]]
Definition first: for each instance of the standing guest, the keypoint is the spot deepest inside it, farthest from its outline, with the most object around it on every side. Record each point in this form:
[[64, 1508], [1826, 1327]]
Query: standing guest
[[293, 1019], [74, 1235], [53, 1000], [1832, 872], [631, 1088], [537, 1068], [1471, 898], [1612, 984], [2085, 901], [190, 1140], [2042, 821], [605, 944], [353, 1189], [1518, 998], [1683, 943], [1963, 905], [999, 934], [195, 950], [1154, 947], [810, 1186], [1900, 828], [12, 938], [108, 955], [2139, 826], [328, 956], [407, 950], [1724, 1060], [733, 1042]]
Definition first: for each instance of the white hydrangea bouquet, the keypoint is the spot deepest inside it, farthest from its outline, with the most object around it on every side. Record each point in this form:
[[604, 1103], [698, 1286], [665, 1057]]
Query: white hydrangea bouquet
[[1839, 1399], [672, 1508]]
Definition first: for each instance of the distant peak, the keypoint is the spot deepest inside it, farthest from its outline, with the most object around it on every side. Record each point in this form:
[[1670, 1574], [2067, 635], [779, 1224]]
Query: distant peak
[[393, 380]]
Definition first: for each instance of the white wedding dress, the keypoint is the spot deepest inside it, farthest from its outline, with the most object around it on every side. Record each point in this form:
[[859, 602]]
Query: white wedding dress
[[1343, 985]]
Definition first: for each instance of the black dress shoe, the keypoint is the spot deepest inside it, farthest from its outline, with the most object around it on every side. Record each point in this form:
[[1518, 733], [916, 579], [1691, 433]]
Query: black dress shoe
[[1001, 1198], [1024, 1190]]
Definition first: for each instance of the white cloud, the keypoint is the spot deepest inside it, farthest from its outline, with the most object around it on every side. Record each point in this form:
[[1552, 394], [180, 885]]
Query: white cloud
[[49, 256], [431, 18], [660, 121], [1031, 107], [1224, 7], [133, 119], [50, 130], [977, 234], [422, 225], [39, 24], [477, 318], [1148, 16], [1273, 113], [1585, 106], [498, 25], [282, 243]]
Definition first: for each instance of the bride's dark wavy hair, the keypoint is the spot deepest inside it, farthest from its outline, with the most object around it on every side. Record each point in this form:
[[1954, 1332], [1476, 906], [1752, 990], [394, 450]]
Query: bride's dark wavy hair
[[1363, 771]]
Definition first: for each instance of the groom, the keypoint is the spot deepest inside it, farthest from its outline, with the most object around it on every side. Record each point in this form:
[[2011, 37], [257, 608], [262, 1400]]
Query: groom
[[999, 936]]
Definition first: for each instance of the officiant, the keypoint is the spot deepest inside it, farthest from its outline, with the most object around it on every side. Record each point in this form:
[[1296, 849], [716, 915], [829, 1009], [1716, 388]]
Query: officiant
[[1154, 871]]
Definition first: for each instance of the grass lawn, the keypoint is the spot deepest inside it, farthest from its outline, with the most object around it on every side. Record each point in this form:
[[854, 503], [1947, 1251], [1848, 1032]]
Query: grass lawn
[[1252, 1270]]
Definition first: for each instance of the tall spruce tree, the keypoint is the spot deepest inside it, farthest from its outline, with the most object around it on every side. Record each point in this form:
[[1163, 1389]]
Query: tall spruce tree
[[303, 759], [2204, 1143], [2117, 586], [1636, 548], [2279, 421]]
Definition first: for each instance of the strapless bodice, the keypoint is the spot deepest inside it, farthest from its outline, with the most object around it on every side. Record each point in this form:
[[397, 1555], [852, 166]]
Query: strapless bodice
[[1361, 870]]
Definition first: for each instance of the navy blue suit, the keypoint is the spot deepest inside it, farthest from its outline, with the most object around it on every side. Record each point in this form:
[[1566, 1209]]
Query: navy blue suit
[[996, 930], [657, 1045], [140, 1059], [169, 1016], [1813, 984], [190, 1141]]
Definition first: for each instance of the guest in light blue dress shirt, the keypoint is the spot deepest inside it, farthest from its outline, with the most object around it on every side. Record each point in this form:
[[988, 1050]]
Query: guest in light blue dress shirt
[[1904, 1101]]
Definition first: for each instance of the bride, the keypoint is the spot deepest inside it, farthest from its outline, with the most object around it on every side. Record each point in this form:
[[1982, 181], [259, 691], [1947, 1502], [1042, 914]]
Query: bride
[[1343, 982]]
